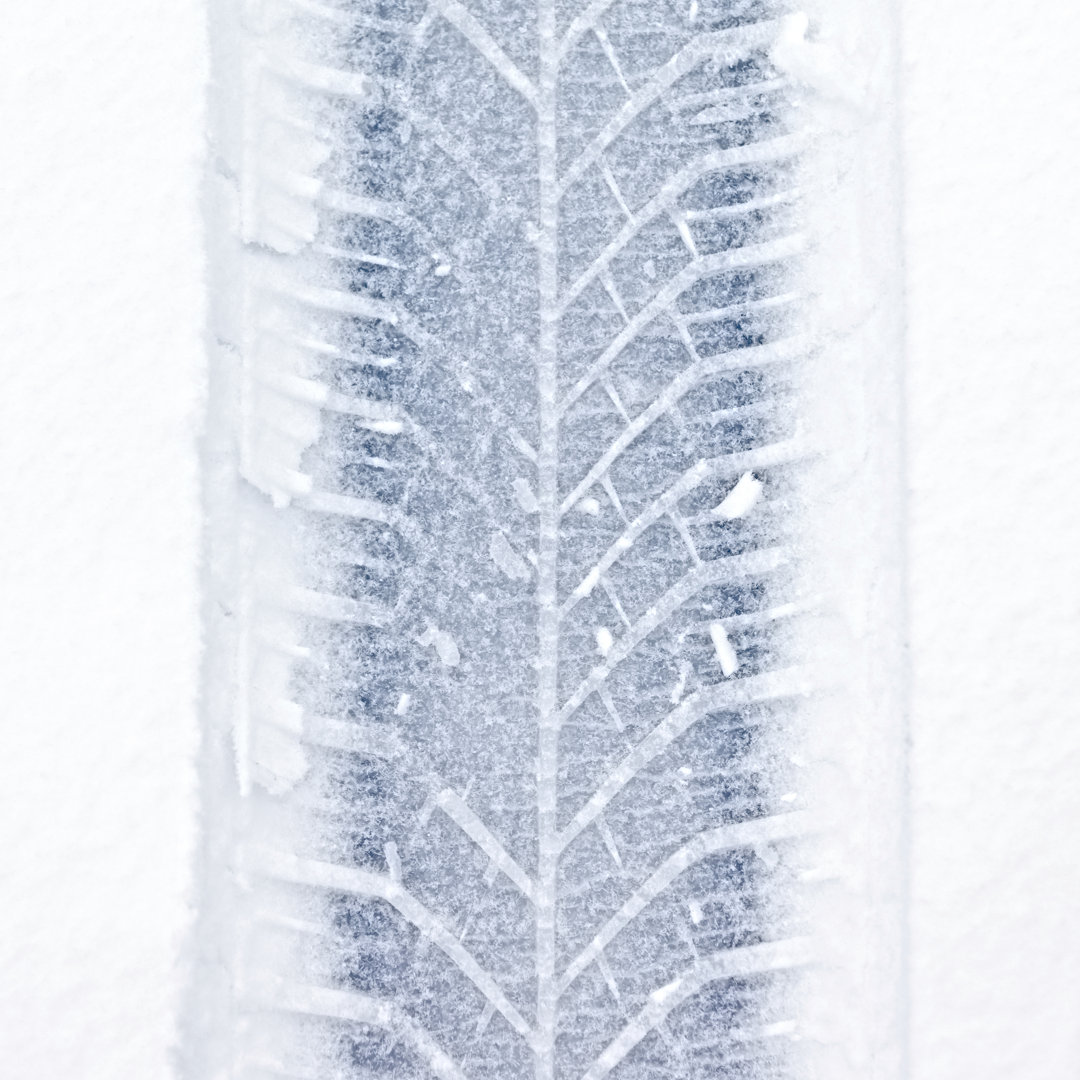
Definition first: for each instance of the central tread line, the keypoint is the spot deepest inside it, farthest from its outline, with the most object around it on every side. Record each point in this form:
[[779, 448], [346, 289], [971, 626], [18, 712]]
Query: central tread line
[[547, 600]]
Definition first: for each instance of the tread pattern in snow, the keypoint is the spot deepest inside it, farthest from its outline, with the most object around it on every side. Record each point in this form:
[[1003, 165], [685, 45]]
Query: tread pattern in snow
[[549, 319]]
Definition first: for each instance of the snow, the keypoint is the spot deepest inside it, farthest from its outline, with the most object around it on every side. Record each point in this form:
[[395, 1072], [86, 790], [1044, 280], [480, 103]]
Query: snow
[[101, 328], [725, 654], [445, 646], [741, 499], [102, 317], [992, 107]]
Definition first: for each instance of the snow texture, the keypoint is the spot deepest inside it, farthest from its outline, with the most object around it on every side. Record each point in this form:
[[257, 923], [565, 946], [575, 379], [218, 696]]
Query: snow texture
[[993, 390], [101, 313], [524, 668], [102, 320]]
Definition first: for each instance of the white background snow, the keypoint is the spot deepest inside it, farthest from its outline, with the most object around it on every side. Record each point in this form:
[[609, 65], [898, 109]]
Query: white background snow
[[100, 335]]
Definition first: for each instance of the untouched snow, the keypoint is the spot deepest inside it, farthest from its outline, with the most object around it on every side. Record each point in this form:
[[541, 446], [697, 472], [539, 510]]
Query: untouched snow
[[101, 335], [992, 99], [101, 339]]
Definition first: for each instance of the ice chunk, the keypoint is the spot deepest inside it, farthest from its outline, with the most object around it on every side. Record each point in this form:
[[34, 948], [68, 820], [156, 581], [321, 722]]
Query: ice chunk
[[445, 646], [725, 654], [740, 500]]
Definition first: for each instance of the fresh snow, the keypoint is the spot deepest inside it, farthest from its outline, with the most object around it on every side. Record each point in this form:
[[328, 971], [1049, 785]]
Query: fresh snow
[[102, 330], [102, 317]]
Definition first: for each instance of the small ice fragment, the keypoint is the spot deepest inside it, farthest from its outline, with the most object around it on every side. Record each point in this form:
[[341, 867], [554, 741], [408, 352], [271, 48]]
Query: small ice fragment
[[525, 497], [789, 797], [507, 559], [588, 505], [403, 705], [740, 500], [609, 978], [685, 770], [393, 860], [695, 912], [609, 704], [725, 654], [680, 685], [445, 646], [604, 640], [485, 1018], [447, 649], [442, 270], [609, 842], [612, 494], [425, 812]]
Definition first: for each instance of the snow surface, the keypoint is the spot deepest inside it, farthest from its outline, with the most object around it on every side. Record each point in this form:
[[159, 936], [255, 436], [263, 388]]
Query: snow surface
[[992, 111], [101, 339], [444, 609], [101, 331]]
